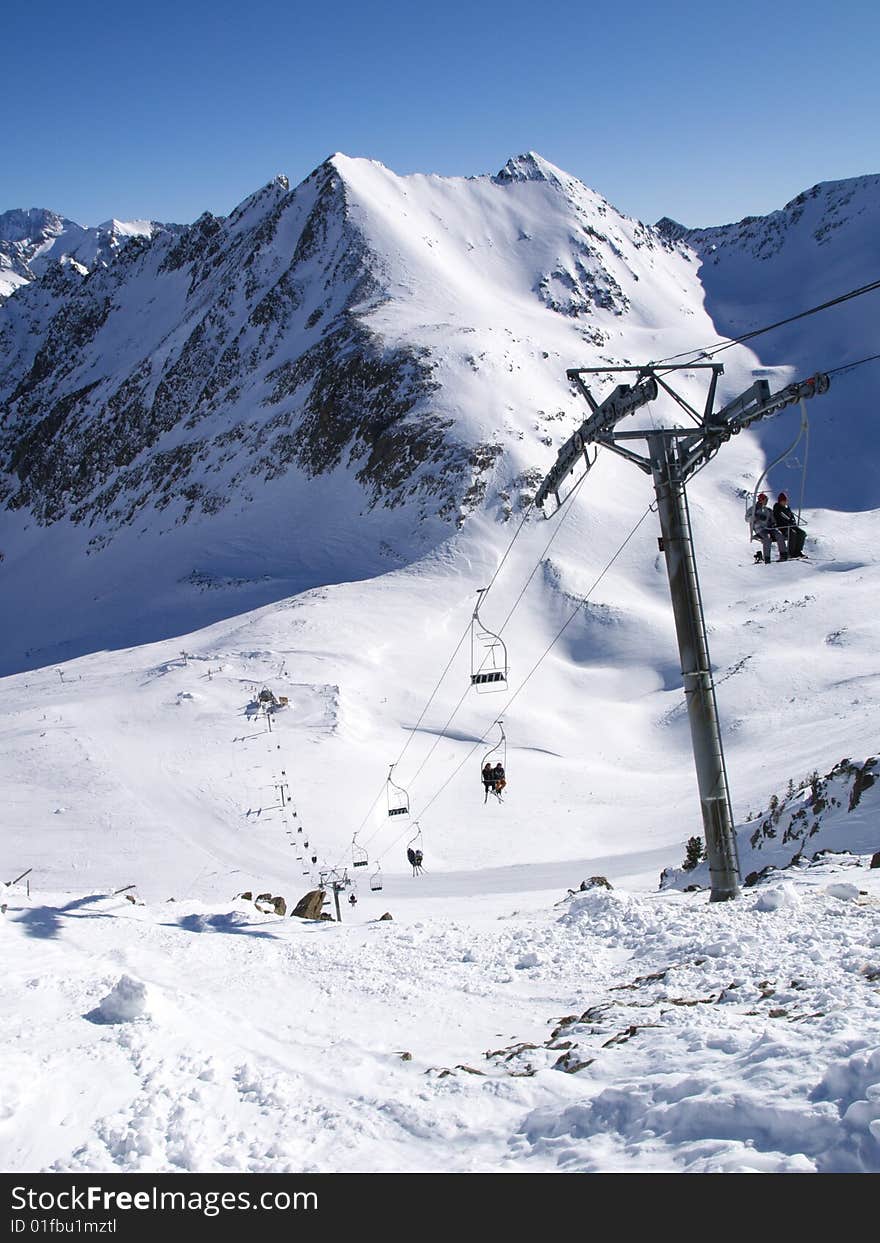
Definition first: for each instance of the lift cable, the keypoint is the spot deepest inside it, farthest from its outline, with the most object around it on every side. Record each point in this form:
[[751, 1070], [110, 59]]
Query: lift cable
[[850, 366], [540, 560], [449, 663], [503, 713], [712, 350], [442, 734]]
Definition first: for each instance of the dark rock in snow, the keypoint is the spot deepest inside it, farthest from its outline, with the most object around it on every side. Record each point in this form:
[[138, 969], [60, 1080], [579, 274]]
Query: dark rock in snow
[[311, 905]]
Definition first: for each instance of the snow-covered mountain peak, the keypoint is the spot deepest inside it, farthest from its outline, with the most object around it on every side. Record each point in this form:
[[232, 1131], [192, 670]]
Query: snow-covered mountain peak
[[31, 225], [128, 228], [32, 241], [393, 346], [671, 229], [797, 232], [532, 167]]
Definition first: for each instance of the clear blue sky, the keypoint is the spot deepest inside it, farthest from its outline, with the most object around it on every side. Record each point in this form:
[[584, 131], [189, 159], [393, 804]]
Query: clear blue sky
[[703, 112]]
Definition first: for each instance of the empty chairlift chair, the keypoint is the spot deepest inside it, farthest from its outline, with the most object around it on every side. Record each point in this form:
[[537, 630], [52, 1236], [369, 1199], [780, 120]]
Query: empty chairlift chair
[[359, 857], [398, 799], [489, 668], [376, 880]]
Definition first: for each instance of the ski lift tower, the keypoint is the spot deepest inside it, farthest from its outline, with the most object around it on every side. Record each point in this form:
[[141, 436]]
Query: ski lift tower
[[673, 455], [332, 878]]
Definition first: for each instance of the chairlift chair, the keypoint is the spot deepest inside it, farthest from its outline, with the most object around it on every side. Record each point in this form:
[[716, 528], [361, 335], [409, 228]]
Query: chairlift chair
[[489, 668], [359, 857], [499, 751], [792, 464], [376, 879], [414, 852], [398, 799]]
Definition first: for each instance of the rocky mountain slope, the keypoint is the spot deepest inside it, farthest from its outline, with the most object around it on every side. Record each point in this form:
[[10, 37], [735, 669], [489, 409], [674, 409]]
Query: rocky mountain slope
[[32, 241], [327, 383], [766, 268]]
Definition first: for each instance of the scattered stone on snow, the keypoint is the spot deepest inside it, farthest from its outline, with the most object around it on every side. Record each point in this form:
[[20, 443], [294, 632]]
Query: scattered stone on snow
[[571, 1064]]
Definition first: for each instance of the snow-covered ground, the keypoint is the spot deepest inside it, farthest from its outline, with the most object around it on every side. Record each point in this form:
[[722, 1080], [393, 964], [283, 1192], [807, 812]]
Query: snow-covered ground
[[616, 1031], [190, 1031]]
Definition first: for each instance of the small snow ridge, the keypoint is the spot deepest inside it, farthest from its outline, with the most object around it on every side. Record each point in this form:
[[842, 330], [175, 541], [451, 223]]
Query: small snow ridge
[[605, 913], [853, 1086], [126, 1001], [842, 890], [773, 899]]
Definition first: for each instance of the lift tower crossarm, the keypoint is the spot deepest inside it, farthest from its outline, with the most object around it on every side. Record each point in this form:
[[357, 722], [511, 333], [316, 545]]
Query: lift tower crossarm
[[624, 400], [757, 402]]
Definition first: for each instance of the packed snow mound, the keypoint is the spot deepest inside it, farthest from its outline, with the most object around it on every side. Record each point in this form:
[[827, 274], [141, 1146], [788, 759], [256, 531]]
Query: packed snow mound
[[775, 897], [126, 1001]]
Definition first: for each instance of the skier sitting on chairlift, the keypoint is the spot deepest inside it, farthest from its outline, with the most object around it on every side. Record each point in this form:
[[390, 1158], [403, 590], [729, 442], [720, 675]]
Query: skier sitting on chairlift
[[787, 523], [488, 780], [499, 779], [415, 859], [764, 529]]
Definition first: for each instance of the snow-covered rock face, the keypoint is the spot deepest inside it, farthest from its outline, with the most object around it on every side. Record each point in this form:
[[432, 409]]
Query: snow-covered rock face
[[819, 816], [357, 322], [763, 269], [32, 241], [368, 357]]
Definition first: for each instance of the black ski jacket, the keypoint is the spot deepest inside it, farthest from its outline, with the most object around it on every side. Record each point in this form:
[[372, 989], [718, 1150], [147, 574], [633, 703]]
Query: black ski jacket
[[783, 517]]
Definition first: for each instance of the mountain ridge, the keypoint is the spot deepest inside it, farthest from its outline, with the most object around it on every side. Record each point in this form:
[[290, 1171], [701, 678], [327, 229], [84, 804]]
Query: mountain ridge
[[389, 348]]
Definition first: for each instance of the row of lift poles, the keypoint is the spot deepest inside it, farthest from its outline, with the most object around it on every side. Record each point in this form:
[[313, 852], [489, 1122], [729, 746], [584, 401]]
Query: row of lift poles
[[673, 455]]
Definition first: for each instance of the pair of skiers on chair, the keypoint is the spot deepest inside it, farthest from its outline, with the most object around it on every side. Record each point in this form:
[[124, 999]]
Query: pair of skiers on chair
[[777, 525], [494, 780]]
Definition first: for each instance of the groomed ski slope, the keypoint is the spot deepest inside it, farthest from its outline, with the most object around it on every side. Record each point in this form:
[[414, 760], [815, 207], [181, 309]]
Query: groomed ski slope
[[250, 1042]]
